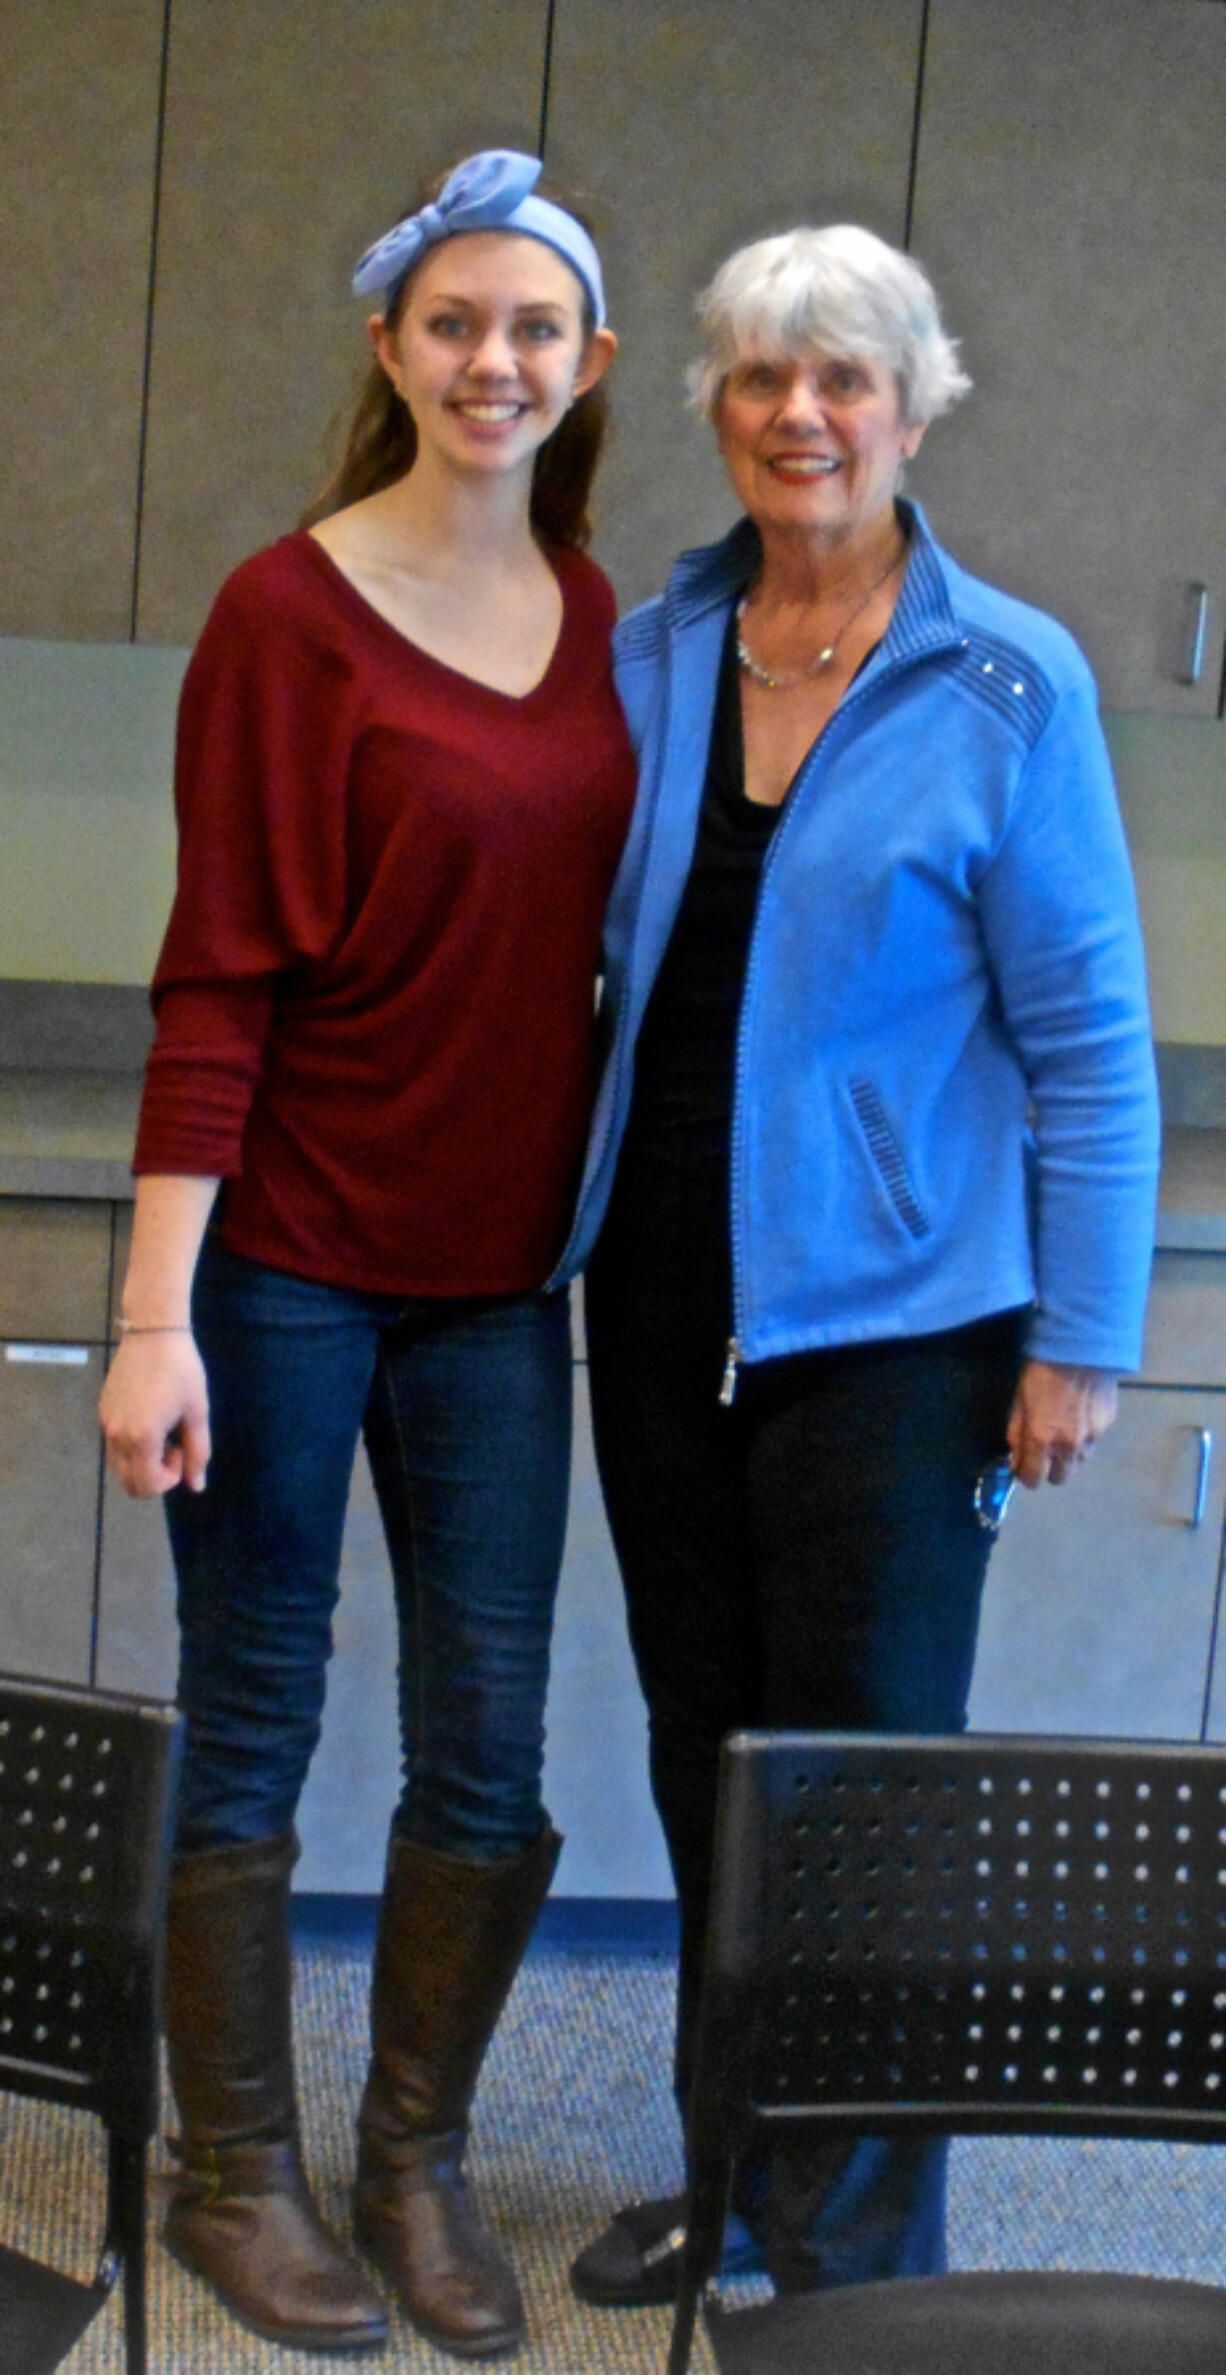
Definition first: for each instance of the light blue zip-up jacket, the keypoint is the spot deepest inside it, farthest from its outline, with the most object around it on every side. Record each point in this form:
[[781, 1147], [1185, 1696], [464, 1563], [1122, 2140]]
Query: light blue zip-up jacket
[[945, 1100]]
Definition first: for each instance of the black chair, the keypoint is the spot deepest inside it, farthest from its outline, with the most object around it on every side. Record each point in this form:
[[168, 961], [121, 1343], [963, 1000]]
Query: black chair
[[979, 1935], [86, 1789]]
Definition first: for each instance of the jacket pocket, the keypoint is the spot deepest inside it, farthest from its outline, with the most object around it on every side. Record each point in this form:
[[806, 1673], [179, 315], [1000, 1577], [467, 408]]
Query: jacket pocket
[[888, 1157]]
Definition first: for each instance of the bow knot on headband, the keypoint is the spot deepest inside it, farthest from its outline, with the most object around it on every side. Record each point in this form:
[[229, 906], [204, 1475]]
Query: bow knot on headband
[[492, 191]]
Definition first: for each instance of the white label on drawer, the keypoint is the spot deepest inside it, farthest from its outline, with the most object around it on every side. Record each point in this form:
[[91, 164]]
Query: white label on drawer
[[57, 1356]]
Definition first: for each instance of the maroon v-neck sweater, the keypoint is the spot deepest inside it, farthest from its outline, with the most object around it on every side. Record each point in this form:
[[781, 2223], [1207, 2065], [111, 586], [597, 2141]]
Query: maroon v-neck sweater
[[375, 997]]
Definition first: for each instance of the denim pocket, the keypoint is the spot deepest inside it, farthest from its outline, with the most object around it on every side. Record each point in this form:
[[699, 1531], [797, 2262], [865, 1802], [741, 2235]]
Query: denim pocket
[[888, 1157]]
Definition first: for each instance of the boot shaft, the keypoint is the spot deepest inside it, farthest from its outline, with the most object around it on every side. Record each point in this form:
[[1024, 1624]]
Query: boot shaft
[[452, 1935], [228, 1985]]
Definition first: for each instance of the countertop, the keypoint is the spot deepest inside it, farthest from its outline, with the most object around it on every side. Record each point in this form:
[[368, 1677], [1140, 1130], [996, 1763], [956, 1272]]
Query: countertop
[[69, 1133]]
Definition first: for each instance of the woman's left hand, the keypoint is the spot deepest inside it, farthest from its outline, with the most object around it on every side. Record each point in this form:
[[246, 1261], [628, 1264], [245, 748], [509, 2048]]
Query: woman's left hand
[[1057, 1417]]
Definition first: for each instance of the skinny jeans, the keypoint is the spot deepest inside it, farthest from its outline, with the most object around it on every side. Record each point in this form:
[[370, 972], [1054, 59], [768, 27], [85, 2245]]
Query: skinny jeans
[[808, 1557], [464, 1405]]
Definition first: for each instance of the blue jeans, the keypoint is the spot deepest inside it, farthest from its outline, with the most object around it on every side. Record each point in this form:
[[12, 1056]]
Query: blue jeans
[[465, 1408]]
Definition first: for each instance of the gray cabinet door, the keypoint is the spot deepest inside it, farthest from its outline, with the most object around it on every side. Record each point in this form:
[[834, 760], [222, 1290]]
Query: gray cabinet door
[[78, 135], [137, 1648], [50, 1471], [54, 1261], [1185, 1327], [137, 1635], [293, 137], [1071, 206], [1102, 1595], [700, 124]]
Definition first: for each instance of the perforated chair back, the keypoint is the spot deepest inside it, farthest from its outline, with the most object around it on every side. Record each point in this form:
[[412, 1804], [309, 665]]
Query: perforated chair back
[[86, 1791], [975, 1935]]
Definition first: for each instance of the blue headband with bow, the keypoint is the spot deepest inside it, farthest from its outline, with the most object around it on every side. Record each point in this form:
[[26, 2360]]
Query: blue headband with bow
[[489, 192]]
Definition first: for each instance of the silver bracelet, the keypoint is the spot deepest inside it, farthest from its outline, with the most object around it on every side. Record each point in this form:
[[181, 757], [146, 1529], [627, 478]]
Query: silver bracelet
[[165, 1327]]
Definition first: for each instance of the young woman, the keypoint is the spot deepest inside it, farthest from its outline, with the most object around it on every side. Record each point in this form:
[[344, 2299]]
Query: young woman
[[403, 783]]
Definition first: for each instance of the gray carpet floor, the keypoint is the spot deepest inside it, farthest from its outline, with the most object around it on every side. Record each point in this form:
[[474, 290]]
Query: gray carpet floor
[[574, 2117]]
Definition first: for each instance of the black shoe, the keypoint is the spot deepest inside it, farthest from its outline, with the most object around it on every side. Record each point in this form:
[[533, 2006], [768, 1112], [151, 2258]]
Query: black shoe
[[637, 2260]]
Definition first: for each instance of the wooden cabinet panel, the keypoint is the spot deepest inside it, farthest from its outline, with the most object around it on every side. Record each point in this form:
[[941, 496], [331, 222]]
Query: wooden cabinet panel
[[1102, 1596], [700, 124], [1071, 206], [78, 134], [293, 136], [54, 1265], [49, 1478]]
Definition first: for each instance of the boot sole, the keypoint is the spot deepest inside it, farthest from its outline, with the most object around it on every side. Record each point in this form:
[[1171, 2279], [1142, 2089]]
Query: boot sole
[[464, 2350], [322, 2338]]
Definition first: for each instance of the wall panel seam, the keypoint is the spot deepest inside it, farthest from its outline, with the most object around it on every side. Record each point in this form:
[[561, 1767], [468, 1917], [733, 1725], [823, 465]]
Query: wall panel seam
[[150, 300], [546, 76], [916, 122]]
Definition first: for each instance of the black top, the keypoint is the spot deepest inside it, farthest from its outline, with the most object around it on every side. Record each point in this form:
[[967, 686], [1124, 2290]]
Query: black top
[[686, 1060]]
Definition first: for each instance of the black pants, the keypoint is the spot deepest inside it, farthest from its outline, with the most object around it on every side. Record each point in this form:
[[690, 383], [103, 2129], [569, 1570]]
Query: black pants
[[809, 1557]]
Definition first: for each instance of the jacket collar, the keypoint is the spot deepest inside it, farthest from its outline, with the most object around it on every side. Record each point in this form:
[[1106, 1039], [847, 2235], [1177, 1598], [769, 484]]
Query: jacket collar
[[925, 614]]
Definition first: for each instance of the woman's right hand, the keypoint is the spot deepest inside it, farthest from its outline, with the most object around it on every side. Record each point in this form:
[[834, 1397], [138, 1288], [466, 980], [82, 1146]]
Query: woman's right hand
[[155, 1414]]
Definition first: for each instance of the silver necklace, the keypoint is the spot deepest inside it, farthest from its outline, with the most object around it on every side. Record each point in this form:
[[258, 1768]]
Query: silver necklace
[[821, 659]]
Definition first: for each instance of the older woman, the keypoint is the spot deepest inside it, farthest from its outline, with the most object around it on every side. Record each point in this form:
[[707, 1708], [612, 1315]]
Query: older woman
[[873, 1167]]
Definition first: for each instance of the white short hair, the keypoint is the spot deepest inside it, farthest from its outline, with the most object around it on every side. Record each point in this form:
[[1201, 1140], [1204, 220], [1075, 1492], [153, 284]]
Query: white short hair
[[837, 291]]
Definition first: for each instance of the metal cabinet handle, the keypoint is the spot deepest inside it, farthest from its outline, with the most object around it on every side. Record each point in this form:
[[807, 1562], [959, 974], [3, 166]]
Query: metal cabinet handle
[[1195, 631], [1205, 1438]]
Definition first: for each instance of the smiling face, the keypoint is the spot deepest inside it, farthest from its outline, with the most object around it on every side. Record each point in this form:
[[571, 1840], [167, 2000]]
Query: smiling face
[[490, 348], [814, 444]]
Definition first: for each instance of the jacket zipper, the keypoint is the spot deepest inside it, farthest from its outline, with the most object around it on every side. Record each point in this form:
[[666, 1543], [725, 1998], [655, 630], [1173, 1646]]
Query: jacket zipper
[[732, 1355]]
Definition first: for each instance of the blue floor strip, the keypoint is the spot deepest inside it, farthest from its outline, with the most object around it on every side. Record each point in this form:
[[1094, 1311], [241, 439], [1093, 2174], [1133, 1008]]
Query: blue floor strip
[[567, 1925]]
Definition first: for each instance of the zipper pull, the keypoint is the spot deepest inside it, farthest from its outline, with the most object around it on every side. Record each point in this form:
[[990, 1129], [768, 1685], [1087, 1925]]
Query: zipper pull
[[728, 1386]]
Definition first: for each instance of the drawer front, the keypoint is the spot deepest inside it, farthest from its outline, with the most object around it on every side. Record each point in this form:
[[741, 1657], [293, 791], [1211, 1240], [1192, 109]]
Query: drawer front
[[55, 1261]]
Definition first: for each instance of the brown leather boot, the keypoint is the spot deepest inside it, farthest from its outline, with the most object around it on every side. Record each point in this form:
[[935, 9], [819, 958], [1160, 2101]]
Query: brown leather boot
[[451, 1938], [242, 2216]]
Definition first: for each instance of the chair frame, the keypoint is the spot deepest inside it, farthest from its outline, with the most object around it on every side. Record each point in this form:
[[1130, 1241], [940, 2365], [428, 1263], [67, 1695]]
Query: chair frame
[[87, 1785], [973, 1935]]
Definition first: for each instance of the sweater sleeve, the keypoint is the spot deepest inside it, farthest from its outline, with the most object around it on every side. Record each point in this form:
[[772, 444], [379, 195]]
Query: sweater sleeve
[[1060, 917], [264, 732]]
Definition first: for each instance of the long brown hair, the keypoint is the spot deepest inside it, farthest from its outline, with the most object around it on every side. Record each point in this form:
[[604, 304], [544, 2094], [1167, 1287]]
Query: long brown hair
[[381, 442]]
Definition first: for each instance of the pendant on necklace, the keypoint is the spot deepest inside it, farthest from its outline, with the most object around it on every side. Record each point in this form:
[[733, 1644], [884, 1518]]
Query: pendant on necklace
[[821, 659]]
